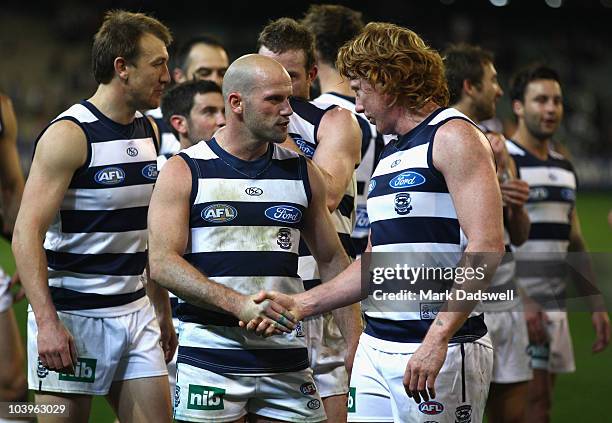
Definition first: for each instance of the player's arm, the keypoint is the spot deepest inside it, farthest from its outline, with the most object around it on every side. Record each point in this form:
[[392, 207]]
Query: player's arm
[[599, 316], [462, 154], [61, 150], [168, 224], [338, 152], [323, 242], [11, 176]]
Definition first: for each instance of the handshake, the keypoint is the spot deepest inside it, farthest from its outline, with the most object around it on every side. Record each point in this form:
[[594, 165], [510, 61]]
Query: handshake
[[270, 313]]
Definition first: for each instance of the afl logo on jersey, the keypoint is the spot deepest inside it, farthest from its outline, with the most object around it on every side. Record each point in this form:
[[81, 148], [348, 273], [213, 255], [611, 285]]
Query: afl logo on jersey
[[254, 191], [150, 171], [132, 151], [395, 163], [219, 213], [431, 408], [110, 176], [305, 148], [285, 214], [407, 179]]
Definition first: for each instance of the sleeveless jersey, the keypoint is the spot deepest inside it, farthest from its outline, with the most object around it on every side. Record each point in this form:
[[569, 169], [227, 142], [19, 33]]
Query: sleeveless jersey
[[96, 246], [245, 224], [371, 146], [411, 211], [552, 196], [303, 127]]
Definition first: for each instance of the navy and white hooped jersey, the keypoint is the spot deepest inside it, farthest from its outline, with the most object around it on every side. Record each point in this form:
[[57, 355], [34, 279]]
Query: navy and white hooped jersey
[[168, 145], [411, 211], [303, 127], [552, 197], [96, 246], [245, 224], [372, 145]]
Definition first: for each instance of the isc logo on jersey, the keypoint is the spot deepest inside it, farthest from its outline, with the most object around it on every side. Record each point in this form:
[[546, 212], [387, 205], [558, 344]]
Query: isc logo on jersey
[[219, 213], [84, 371], [407, 179], [110, 176], [205, 398], [284, 213]]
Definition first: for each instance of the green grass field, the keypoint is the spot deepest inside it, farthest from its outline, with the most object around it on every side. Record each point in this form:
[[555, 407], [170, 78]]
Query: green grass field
[[579, 397]]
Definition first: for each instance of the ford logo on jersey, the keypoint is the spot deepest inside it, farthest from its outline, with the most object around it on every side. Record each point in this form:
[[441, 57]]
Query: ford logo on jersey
[[219, 213], [150, 171], [361, 220], [431, 407], [110, 176], [568, 194], [407, 179], [305, 148], [285, 214]]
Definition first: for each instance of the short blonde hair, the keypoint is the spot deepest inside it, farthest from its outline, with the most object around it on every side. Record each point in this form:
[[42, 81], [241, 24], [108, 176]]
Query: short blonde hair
[[397, 60]]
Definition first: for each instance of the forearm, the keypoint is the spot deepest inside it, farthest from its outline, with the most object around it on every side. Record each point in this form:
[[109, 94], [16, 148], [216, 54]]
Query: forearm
[[11, 198], [335, 190], [518, 225], [31, 262], [178, 276], [343, 290], [159, 298], [455, 312]]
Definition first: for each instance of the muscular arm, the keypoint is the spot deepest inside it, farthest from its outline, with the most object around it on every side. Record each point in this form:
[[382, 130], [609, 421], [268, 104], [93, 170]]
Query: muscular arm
[[331, 258], [11, 176], [60, 152], [463, 156], [338, 152], [168, 224]]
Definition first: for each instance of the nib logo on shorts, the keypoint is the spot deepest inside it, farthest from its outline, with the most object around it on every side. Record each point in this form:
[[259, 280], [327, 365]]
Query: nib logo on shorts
[[205, 398], [84, 371], [351, 400]]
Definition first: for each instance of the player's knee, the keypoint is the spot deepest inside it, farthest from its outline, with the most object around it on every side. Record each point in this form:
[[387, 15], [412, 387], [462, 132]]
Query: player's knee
[[14, 388]]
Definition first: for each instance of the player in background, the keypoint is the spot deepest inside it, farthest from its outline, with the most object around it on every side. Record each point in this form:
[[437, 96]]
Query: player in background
[[331, 138], [332, 26], [13, 384], [474, 90], [537, 102]]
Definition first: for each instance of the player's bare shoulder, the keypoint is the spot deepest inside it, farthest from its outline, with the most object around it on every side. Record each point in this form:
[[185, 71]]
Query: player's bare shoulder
[[459, 139]]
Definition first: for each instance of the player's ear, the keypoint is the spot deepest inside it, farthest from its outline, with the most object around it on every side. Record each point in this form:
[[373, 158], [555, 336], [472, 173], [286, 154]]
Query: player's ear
[[120, 65], [468, 87], [518, 107], [178, 75], [236, 103], [179, 123], [313, 72]]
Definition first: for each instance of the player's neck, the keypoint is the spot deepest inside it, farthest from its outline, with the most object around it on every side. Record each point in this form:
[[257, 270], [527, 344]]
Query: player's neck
[[535, 146], [110, 103], [464, 108], [331, 81], [408, 120], [239, 143]]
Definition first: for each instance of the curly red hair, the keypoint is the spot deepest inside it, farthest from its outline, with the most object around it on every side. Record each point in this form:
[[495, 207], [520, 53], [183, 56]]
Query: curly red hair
[[398, 61]]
